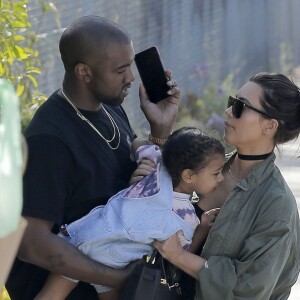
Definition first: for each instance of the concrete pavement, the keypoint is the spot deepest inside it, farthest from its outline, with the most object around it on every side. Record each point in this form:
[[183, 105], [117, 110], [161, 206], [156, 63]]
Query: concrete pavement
[[289, 165]]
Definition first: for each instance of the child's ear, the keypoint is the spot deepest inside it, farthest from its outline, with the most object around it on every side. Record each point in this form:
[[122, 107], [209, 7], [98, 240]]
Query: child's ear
[[186, 175]]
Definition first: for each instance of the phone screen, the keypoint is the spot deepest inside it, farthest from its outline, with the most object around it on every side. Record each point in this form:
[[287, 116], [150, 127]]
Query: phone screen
[[152, 73]]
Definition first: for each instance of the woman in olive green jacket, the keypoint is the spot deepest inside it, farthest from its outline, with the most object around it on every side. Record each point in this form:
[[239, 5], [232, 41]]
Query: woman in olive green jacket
[[253, 248]]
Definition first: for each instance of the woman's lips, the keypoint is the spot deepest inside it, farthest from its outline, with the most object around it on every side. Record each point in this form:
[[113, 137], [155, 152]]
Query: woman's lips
[[227, 124]]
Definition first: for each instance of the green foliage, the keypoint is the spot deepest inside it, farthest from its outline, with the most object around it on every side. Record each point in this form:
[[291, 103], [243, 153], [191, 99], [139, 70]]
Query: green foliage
[[284, 62], [207, 110], [19, 62], [3, 294], [285, 58]]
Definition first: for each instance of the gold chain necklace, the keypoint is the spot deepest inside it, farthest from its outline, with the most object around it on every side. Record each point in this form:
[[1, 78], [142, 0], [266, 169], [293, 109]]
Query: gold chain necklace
[[113, 123], [231, 175]]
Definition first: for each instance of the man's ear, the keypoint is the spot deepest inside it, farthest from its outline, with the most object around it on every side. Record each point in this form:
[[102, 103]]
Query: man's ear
[[83, 72], [186, 175], [270, 126]]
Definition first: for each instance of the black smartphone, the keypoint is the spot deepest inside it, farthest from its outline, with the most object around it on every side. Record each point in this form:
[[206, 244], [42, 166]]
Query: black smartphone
[[152, 73]]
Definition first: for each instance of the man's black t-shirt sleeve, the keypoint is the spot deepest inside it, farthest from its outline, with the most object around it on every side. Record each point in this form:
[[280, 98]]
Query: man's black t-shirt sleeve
[[47, 180]]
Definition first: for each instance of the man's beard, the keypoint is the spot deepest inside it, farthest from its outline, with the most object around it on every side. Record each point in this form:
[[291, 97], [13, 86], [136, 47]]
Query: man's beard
[[114, 101]]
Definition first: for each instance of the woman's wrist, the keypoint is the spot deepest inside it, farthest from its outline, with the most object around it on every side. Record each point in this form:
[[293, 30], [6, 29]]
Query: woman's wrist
[[190, 263]]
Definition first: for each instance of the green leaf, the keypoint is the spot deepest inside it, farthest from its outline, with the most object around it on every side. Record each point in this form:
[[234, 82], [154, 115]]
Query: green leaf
[[20, 53], [8, 53], [18, 24], [33, 80], [34, 70], [18, 38], [2, 69], [20, 89]]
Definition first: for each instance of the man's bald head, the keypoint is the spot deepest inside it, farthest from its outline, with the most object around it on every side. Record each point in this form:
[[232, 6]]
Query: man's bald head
[[88, 38]]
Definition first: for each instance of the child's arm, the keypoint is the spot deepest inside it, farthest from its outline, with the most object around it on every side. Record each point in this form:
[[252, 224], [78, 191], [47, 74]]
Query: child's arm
[[137, 142], [203, 228], [56, 288]]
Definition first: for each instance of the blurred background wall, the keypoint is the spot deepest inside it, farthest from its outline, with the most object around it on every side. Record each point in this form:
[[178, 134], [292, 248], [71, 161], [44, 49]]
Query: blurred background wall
[[204, 42]]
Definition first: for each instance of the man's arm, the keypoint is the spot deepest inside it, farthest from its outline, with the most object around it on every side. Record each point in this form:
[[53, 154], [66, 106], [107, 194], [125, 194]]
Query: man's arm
[[41, 247], [161, 117]]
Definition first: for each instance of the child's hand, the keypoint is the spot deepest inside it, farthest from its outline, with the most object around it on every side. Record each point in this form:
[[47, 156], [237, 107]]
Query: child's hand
[[145, 167], [202, 230], [209, 217]]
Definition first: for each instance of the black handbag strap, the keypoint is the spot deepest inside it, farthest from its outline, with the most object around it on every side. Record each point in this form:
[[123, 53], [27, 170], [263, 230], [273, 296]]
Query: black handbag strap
[[154, 256], [157, 260]]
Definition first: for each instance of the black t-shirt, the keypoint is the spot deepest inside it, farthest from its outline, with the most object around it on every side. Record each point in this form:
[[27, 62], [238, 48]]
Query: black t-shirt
[[70, 170]]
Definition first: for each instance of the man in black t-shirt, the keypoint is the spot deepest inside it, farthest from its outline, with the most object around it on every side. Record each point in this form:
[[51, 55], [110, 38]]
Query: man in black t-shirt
[[79, 155]]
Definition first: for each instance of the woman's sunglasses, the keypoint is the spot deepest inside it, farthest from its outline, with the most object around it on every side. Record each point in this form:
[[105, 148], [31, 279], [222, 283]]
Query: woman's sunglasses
[[238, 106]]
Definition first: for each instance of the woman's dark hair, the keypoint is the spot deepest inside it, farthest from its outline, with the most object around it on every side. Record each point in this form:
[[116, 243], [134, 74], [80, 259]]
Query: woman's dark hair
[[189, 148], [281, 100]]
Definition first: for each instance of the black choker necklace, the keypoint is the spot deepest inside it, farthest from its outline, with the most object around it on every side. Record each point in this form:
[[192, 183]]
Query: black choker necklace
[[254, 157]]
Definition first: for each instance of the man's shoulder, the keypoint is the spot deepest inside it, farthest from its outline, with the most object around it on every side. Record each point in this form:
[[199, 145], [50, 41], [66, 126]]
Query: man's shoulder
[[50, 107], [48, 117]]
